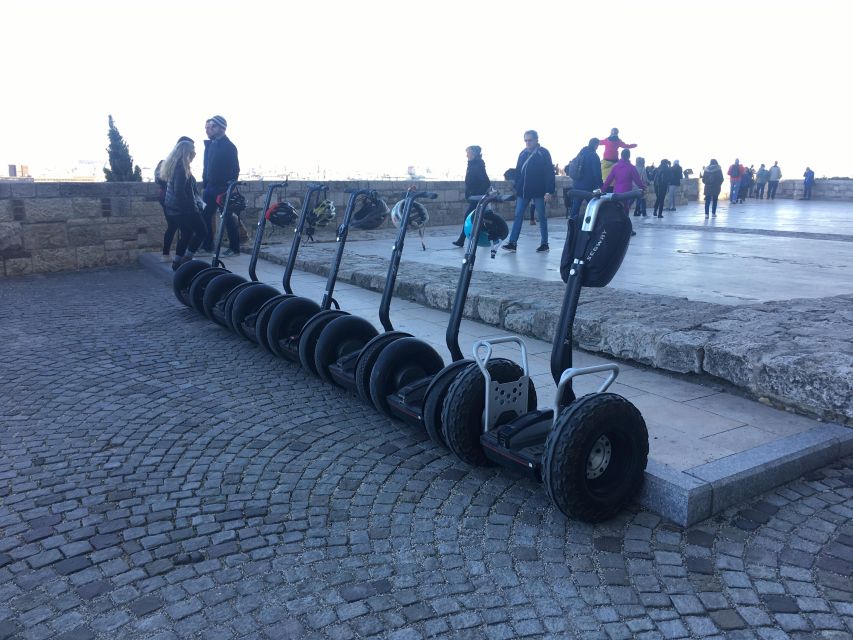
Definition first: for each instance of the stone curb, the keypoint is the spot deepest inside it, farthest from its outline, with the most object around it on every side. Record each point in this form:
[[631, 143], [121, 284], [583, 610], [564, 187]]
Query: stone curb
[[797, 353], [690, 496]]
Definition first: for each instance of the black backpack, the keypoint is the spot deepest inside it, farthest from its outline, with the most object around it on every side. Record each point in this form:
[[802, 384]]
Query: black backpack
[[575, 167]]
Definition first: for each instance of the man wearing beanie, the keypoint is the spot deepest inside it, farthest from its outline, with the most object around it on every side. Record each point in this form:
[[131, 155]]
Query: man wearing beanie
[[220, 167]]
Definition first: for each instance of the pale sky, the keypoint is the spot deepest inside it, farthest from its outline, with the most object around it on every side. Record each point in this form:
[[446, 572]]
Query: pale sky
[[371, 87]]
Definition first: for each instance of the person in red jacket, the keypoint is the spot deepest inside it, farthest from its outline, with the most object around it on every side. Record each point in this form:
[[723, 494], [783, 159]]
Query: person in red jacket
[[735, 173], [610, 157]]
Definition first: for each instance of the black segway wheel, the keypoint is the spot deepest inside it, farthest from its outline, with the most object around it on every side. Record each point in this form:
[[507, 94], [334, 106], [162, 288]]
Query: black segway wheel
[[367, 358], [199, 285], [341, 337], [286, 322], [462, 411], [434, 398], [262, 319], [402, 362], [183, 278], [246, 303], [228, 301], [310, 335], [595, 457], [216, 291]]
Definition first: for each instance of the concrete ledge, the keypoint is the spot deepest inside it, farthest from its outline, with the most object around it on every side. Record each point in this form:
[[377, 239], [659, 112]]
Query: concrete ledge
[[794, 353], [687, 497]]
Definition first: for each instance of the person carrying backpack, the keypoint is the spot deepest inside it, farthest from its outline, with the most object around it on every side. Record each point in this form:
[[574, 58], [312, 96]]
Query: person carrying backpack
[[585, 172], [477, 183]]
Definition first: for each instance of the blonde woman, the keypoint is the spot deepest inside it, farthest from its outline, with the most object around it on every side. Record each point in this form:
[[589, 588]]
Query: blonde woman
[[182, 200]]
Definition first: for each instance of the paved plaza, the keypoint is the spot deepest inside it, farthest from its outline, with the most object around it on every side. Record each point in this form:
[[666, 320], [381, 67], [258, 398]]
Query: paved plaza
[[160, 478], [751, 252]]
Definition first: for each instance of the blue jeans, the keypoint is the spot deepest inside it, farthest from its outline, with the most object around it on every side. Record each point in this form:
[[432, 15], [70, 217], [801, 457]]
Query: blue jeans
[[807, 191], [733, 194], [520, 208]]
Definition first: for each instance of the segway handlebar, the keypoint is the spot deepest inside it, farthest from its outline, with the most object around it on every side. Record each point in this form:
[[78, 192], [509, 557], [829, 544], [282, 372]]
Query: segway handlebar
[[429, 195], [589, 195], [492, 198]]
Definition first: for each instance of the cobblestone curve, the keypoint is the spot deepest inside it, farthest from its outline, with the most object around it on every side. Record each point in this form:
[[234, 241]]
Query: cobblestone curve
[[161, 479]]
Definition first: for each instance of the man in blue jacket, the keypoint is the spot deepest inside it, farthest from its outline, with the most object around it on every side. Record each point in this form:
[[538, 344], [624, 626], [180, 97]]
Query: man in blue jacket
[[534, 181], [220, 167]]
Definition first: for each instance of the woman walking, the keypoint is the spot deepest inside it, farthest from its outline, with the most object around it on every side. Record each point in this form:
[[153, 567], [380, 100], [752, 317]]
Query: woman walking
[[182, 200], [712, 178], [477, 183]]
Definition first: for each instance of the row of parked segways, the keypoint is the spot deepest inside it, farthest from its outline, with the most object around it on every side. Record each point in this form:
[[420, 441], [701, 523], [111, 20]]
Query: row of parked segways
[[590, 452]]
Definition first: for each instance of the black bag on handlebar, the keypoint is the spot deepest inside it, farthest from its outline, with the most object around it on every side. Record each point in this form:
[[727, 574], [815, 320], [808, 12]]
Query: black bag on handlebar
[[606, 248]]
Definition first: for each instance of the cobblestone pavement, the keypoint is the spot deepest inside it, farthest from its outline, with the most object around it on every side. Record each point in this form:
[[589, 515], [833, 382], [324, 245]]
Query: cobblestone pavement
[[161, 479]]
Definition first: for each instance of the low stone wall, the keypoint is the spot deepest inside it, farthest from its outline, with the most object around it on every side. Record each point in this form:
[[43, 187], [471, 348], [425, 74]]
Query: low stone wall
[[796, 353], [64, 226]]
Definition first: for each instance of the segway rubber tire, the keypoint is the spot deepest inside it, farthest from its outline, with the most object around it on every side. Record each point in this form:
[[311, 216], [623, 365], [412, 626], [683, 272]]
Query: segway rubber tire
[[199, 286], [183, 277], [262, 320], [247, 302], [367, 359], [216, 291], [310, 334], [228, 303], [434, 399], [341, 337], [578, 429], [287, 320], [462, 411], [401, 363]]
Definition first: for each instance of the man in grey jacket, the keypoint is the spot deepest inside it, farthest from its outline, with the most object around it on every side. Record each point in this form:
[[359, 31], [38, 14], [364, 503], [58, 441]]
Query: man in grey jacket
[[774, 175]]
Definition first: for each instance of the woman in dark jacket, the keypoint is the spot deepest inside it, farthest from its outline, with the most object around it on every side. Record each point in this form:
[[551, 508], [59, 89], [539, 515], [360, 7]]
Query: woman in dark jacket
[[662, 179], [477, 183], [712, 178], [182, 200]]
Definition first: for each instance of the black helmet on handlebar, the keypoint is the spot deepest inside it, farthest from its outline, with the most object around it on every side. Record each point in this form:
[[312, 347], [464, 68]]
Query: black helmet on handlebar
[[282, 214], [370, 212]]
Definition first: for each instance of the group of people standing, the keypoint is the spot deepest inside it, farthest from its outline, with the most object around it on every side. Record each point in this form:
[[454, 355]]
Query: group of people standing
[[746, 182], [189, 211]]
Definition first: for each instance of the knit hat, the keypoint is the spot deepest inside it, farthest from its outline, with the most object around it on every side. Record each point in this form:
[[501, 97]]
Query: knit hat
[[185, 139], [219, 120]]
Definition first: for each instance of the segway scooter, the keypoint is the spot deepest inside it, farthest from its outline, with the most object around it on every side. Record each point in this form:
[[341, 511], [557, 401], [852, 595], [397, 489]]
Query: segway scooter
[[251, 308], [590, 452], [221, 290], [409, 379], [349, 345], [191, 278], [288, 331]]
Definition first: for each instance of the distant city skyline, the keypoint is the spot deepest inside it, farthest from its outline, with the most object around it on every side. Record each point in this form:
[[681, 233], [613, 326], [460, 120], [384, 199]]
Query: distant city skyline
[[342, 90]]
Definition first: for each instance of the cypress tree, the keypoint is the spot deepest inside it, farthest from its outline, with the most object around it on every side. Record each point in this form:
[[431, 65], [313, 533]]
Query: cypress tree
[[121, 163]]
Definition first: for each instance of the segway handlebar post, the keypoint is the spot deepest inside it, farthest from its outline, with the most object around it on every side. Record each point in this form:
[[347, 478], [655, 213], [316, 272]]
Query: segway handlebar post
[[397, 252], [215, 262], [561, 352], [313, 189], [343, 231], [452, 335], [262, 223]]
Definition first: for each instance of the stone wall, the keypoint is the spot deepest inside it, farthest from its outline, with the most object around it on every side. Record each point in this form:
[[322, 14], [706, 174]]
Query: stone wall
[[62, 226]]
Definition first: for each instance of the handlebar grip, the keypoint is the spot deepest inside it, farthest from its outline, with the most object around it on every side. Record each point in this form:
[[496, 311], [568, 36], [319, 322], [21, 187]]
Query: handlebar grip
[[506, 198], [580, 193], [636, 193], [430, 195]]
